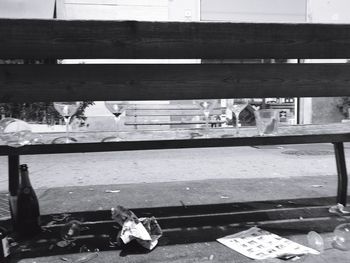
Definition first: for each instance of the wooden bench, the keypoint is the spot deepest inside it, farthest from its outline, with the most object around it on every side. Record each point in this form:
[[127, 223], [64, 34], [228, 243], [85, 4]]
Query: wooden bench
[[174, 115], [59, 39]]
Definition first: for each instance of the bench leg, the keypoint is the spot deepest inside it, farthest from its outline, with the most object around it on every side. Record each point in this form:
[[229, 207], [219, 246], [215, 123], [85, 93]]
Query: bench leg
[[13, 172], [342, 173]]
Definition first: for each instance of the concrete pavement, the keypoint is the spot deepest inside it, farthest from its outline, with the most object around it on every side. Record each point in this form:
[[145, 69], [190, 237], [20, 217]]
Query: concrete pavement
[[61, 170]]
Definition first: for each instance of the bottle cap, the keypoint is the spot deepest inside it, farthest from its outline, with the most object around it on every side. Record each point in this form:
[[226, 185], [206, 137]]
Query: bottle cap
[[24, 167]]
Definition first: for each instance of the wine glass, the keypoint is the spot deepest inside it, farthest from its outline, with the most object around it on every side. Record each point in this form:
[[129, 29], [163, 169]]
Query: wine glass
[[116, 108], [339, 240], [206, 106], [66, 110], [236, 106]]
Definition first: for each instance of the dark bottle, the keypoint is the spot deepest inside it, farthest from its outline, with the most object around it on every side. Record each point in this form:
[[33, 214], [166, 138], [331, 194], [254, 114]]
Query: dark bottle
[[28, 214]]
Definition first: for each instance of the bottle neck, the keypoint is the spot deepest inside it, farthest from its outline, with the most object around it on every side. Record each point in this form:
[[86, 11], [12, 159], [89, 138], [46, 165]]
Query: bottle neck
[[25, 182]]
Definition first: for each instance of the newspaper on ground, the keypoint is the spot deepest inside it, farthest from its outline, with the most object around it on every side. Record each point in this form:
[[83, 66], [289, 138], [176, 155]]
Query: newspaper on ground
[[257, 243]]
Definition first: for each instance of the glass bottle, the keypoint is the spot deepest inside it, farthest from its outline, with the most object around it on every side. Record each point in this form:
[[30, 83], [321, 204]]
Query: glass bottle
[[28, 214]]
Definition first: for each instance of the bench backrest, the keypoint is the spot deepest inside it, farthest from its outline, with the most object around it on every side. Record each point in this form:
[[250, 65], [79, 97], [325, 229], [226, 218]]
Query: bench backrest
[[172, 115], [58, 39]]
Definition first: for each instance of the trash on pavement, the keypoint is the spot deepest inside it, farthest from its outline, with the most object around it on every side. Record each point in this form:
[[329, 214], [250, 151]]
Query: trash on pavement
[[257, 243], [81, 259], [71, 230], [86, 258], [112, 191], [338, 209], [339, 240], [146, 231]]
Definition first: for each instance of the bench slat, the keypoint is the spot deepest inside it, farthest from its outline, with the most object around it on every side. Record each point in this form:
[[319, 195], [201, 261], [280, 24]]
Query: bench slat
[[172, 139], [32, 83], [33, 39], [161, 112]]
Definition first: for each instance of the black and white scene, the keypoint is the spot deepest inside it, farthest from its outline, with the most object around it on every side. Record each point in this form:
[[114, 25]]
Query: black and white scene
[[174, 131]]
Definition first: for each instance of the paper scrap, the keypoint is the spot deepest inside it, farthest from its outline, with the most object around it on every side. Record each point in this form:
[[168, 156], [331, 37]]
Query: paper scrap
[[146, 231], [338, 209], [256, 243], [112, 191]]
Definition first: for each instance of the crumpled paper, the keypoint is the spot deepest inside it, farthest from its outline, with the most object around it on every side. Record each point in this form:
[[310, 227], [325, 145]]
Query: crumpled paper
[[338, 209], [146, 231]]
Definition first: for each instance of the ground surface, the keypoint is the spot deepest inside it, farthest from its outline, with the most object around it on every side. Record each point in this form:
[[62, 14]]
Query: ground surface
[[84, 169], [237, 175]]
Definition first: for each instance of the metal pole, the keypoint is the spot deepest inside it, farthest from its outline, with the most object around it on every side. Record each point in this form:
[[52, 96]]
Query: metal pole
[[342, 173], [13, 178]]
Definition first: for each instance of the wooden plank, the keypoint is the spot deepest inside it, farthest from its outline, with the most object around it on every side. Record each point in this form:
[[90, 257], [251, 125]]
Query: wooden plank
[[160, 112], [169, 122], [173, 106], [32, 83], [33, 39], [185, 138]]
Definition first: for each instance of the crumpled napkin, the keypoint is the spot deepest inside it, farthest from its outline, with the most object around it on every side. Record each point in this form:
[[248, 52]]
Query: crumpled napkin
[[146, 231], [338, 209]]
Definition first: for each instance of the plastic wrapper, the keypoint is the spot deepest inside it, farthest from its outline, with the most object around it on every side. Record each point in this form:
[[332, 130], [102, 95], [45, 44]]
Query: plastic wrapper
[[146, 231]]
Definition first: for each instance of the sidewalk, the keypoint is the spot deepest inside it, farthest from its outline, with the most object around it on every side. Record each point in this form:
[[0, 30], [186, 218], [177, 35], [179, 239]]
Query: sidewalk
[[274, 197], [274, 178], [154, 166]]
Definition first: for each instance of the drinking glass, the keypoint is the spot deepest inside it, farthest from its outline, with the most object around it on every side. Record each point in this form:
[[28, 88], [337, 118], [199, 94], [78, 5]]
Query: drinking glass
[[14, 132], [206, 106], [339, 240], [66, 110], [236, 106], [267, 121], [116, 108]]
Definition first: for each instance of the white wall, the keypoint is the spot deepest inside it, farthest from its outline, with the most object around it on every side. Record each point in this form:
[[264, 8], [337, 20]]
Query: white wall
[[184, 10], [27, 8], [329, 11], [146, 10], [254, 10]]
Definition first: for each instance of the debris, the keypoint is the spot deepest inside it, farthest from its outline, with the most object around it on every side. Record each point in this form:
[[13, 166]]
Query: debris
[[187, 188], [25, 249], [83, 249], [292, 257], [315, 241], [112, 191], [64, 259], [71, 230], [86, 258], [146, 231], [61, 217], [211, 257], [338, 209], [278, 206], [224, 197], [257, 243], [317, 185], [301, 218], [63, 243]]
